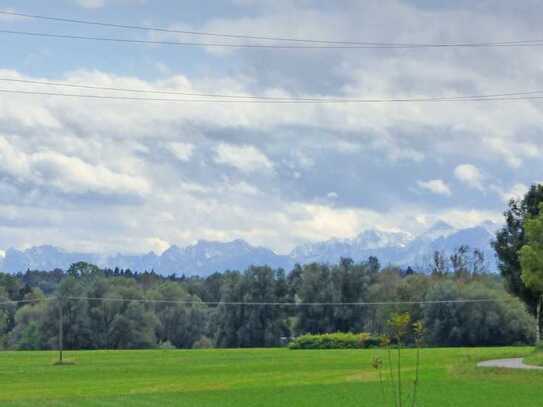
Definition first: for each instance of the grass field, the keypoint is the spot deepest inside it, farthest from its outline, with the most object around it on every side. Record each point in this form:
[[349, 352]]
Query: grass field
[[535, 359], [257, 377]]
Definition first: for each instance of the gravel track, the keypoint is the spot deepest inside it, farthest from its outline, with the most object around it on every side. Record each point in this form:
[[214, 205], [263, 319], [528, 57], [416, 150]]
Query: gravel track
[[514, 363]]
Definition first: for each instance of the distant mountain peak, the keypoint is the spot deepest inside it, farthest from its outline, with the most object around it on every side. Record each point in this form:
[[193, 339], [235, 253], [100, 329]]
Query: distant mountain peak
[[205, 257], [439, 229], [379, 238], [490, 226]]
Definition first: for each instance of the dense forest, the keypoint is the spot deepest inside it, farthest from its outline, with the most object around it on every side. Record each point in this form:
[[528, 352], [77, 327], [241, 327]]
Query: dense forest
[[105, 309]]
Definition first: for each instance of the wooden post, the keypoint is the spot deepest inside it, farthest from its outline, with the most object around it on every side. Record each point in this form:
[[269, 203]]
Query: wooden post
[[537, 320], [60, 332]]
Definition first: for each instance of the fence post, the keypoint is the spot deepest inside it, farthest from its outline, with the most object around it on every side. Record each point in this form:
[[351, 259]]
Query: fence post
[[60, 331]]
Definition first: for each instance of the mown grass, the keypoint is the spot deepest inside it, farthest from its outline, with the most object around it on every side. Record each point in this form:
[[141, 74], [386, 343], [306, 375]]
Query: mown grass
[[535, 359], [257, 377]]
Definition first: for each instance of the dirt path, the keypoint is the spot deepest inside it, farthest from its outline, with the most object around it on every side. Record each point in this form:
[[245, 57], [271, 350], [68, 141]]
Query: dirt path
[[514, 363]]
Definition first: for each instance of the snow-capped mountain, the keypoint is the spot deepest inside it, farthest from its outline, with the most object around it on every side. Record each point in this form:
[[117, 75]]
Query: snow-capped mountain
[[202, 258], [437, 230], [367, 243], [206, 257], [401, 248]]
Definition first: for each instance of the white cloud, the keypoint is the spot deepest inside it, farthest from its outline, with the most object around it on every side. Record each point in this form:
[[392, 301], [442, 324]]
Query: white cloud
[[157, 245], [517, 191], [65, 173], [182, 151], [469, 175], [461, 218], [436, 186], [245, 158]]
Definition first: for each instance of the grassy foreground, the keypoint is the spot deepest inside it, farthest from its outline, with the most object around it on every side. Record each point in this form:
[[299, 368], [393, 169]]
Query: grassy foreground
[[257, 377], [535, 359]]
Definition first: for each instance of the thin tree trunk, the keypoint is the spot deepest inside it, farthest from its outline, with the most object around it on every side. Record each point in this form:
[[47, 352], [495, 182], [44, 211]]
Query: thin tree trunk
[[60, 333]]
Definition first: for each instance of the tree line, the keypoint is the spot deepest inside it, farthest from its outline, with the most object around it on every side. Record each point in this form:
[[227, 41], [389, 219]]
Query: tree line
[[258, 307]]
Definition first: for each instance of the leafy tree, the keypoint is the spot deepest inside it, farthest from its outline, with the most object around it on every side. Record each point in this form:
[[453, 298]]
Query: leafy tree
[[510, 240], [76, 327], [317, 286], [180, 324], [242, 325], [460, 262], [531, 260], [83, 269], [134, 328], [29, 332]]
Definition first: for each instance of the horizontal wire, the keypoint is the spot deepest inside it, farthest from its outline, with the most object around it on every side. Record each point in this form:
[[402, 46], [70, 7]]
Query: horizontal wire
[[270, 38], [146, 99], [292, 304], [15, 302], [537, 43], [271, 98], [259, 303]]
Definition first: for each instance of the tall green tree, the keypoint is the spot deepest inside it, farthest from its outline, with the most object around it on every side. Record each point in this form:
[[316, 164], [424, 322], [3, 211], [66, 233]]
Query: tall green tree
[[531, 261], [509, 241]]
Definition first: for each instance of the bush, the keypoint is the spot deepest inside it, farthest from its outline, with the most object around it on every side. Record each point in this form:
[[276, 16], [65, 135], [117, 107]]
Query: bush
[[338, 340], [502, 321]]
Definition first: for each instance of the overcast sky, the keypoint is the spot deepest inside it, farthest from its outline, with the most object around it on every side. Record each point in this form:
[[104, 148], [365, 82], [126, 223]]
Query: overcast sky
[[99, 175]]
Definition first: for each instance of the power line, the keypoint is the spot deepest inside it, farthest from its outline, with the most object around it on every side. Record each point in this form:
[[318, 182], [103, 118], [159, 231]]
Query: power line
[[535, 43], [266, 303], [16, 302], [271, 98], [351, 44], [147, 99], [262, 303]]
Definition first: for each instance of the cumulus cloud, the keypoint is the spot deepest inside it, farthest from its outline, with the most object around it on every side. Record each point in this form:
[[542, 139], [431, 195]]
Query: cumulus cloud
[[65, 173], [245, 158], [435, 186], [470, 175]]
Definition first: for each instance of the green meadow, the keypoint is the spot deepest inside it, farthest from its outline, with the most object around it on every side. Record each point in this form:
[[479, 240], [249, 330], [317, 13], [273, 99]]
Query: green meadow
[[258, 377]]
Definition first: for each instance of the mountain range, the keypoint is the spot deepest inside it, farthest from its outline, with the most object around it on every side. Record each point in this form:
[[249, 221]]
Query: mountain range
[[206, 257]]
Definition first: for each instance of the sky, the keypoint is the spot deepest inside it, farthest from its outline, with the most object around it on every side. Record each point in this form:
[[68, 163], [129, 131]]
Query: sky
[[134, 176]]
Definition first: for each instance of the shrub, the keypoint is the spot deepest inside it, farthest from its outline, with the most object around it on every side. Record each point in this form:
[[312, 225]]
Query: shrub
[[338, 340]]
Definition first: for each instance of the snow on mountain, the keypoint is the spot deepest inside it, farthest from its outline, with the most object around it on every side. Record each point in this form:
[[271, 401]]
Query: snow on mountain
[[437, 230], [400, 248], [206, 257], [358, 248]]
